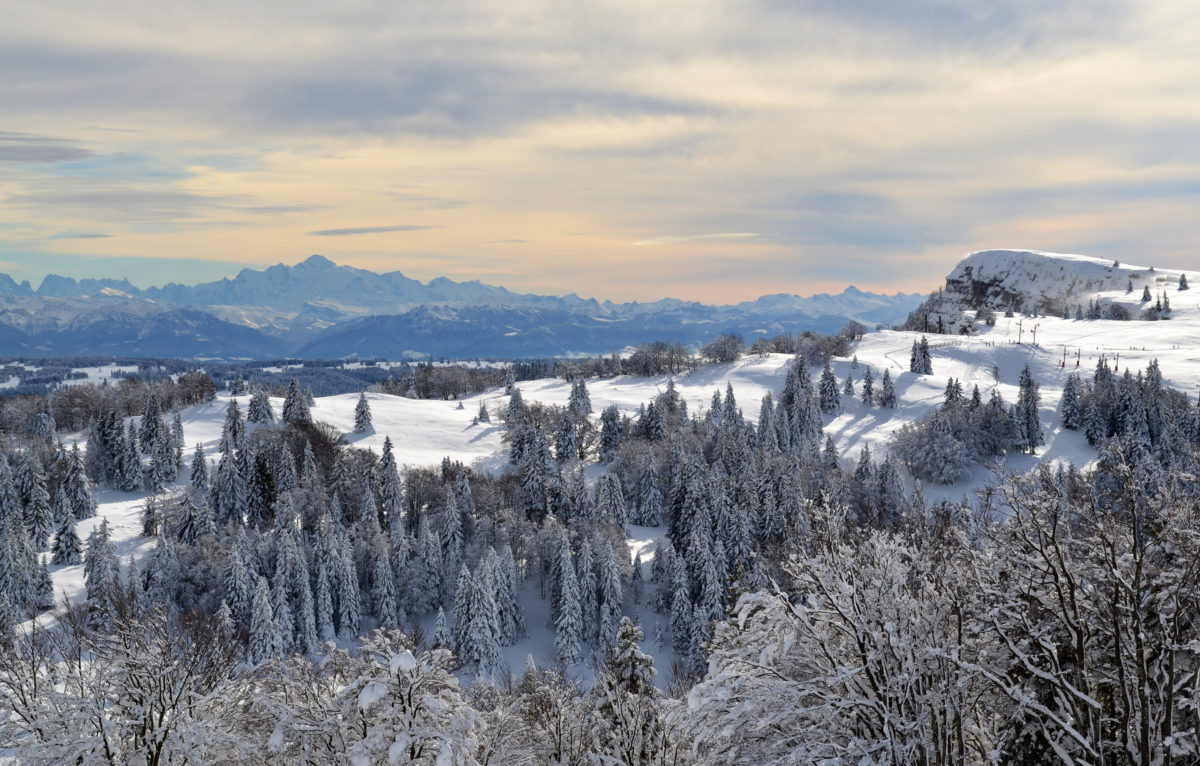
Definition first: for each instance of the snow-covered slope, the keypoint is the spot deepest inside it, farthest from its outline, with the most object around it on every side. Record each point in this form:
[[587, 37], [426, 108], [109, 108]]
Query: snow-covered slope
[[423, 432]]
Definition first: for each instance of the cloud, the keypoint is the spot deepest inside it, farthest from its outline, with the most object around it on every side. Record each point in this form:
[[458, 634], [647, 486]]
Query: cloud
[[270, 210], [367, 230], [426, 202], [674, 240], [113, 201], [82, 235], [24, 147], [885, 136]]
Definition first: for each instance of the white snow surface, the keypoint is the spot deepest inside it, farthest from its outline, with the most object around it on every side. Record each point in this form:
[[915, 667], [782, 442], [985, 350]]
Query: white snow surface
[[425, 431]]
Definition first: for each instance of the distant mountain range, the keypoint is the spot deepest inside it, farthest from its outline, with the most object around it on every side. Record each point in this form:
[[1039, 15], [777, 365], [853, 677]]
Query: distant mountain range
[[318, 309]]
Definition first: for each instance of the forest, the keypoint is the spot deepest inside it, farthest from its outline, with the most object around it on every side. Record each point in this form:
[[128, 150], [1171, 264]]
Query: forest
[[308, 601]]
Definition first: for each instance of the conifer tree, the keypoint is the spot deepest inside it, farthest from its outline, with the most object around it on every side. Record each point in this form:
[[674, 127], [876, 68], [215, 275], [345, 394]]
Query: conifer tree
[[1029, 425], [152, 474], [390, 488], [828, 387], [129, 461], [462, 613], [1146, 294], [681, 616], [150, 423], [610, 499], [483, 416], [100, 568], [887, 395], [925, 357], [516, 407], [566, 447], [162, 573], [701, 633], [323, 603], [768, 441], [383, 590], [199, 470], [97, 459], [67, 547], [484, 627], [261, 495], [38, 513], [567, 628], [228, 493], [285, 621], [225, 621], [441, 635], [649, 497], [580, 403], [952, 396], [152, 518], [263, 630], [362, 415], [868, 388], [610, 595], [848, 388], [79, 493], [1183, 283], [349, 597], [829, 457], [508, 602], [238, 588], [42, 595], [203, 522], [1072, 412], [233, 433], [589, 603], [259, 410], [610, 432], [295, 405], [652, 423]]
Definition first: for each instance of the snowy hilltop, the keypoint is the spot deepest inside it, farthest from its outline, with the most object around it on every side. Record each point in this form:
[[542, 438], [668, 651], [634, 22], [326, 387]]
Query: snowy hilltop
[[1039, 283], [1001, 279], [1047, 282]]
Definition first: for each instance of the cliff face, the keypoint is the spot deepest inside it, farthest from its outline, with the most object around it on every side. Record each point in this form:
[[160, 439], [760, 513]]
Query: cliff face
[[1027, 279]]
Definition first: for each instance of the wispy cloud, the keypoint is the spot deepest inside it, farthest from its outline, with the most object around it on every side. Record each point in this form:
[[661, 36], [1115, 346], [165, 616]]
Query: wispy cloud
[[79, 235], [367, 230], [25, 147], [674, 240], [431, 203]]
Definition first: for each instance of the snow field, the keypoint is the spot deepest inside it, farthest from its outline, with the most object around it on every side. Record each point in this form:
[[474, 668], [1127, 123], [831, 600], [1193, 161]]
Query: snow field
[[425, 431]]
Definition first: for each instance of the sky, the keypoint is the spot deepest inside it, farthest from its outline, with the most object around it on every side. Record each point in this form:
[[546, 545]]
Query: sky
[[697, 149]]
